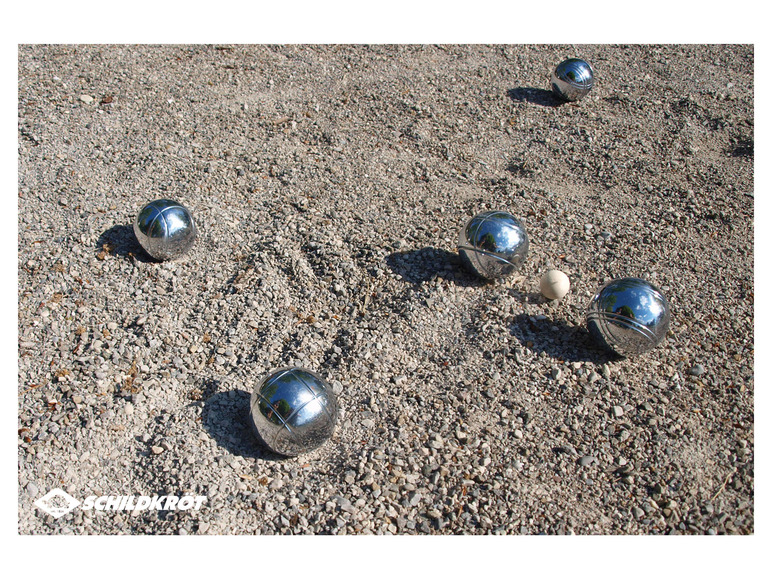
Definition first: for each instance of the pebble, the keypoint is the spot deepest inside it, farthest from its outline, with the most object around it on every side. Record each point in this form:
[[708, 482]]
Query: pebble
[[697, 370], [32, 489], [86, 98]]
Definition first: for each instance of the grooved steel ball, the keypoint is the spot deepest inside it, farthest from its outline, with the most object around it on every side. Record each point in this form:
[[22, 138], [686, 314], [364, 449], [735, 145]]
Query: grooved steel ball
[[493, 244], [293, 410], [165, 229], [572, 79], [629, 316]]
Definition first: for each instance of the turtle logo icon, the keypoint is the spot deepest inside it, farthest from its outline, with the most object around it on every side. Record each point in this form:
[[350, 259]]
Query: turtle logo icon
[[57, 503]]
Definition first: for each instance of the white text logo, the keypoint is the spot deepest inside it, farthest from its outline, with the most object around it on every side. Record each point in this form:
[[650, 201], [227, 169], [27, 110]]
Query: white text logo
[[141, 503], [58, 503]]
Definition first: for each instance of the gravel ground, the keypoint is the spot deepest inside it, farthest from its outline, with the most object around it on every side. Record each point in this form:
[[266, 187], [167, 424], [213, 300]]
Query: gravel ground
[[329, 184]]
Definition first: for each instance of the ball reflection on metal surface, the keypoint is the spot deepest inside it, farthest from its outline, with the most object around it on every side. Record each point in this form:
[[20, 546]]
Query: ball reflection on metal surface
[[293, 410], [165, 229], [572, 79], [629, 316], [493, 244]]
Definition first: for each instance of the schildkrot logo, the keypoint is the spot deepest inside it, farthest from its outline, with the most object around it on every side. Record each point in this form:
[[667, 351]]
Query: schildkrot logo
[[58, 503], [141, 503]]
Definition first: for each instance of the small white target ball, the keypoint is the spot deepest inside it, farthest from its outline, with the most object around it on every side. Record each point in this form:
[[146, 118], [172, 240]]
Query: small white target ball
[[554, 284]]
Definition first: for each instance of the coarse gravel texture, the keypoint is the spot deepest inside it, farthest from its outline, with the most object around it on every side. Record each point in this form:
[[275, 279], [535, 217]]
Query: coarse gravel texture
[[329, 184]]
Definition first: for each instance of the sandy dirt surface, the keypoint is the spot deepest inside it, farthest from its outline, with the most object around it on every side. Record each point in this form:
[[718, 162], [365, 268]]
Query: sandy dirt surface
[[329, 184]]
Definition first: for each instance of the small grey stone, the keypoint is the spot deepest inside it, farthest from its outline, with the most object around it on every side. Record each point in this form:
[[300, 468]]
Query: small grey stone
[[568, 448], [434, 514], [697, 370], [587, 460], [32, 489]]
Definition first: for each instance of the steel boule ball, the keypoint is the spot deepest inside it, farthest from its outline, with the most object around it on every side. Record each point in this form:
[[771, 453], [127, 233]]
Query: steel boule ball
[[165, 229], [629, 316], [493, 244], [293, 410], [572, 79]]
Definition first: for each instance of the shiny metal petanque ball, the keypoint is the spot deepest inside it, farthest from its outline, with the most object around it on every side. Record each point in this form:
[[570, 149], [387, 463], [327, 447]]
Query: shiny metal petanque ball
[[165, 229], [293, 410], [629, 315], [572, 79], [493, 244]]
